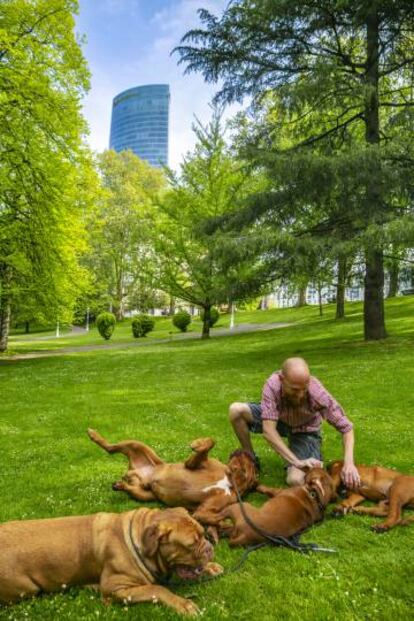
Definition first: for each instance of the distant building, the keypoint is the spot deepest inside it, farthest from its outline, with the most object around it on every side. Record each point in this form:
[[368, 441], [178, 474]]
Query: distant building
[[140, 122]]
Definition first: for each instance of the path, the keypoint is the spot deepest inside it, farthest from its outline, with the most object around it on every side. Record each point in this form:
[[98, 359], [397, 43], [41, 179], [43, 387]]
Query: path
[[239, 329]]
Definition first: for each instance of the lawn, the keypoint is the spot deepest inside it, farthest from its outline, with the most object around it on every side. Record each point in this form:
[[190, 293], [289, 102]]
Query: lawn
[[168, 394]]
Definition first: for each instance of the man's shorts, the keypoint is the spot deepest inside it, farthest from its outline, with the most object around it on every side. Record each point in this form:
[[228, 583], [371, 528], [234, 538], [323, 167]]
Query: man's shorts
[[304, 444]]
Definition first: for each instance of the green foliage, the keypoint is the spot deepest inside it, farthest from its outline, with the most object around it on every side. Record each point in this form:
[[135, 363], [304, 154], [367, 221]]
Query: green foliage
[[214, 316], [121, 258], [141, 325], [105, 322], [182, 320], [194, 262], [331, 91], [46, 177]]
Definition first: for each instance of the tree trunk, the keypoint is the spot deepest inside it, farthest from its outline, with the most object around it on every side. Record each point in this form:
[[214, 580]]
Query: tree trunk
[[172, 306], [320, 299], [206, 323], [340, 288], [302, 295], [374, 321], [394, 273], [26, 327], [5, 306], [374, 325]]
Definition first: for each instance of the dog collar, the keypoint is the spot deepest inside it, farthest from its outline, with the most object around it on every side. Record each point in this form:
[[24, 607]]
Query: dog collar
[[139, 557]]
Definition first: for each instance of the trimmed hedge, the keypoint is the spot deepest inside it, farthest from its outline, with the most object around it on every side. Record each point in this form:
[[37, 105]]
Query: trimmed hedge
[[182, 320], [141, 325], [105, 323]]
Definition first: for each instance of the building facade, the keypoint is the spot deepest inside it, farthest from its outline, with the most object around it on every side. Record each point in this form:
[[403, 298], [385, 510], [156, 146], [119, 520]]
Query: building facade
[[139, 122]]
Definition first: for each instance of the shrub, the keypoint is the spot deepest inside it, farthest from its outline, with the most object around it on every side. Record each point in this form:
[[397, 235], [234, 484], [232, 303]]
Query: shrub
[[106, 325], [141, 325], [181, 320], [214, 316]]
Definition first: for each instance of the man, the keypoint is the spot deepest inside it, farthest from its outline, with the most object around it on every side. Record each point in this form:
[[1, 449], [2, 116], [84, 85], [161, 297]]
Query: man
[[294, 403]]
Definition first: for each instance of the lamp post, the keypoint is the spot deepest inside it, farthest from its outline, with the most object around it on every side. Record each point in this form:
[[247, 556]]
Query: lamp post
[[232, 316]]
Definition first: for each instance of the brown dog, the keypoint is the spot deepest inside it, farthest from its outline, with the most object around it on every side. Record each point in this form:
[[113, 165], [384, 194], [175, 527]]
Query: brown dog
[[289, 512], [391, 489], [201, 483], [126, 554]]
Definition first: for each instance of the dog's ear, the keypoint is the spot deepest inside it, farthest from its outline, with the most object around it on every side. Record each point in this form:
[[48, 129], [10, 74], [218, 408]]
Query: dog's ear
[[153, 536]]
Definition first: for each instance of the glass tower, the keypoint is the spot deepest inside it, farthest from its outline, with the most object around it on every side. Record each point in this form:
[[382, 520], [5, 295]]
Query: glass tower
[[140, 122]]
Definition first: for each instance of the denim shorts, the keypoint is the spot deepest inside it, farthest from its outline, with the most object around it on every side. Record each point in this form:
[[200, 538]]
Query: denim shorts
[[303, 444]]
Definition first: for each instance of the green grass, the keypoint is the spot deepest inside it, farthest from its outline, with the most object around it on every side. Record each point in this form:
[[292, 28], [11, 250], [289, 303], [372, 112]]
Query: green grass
[[167, 395]]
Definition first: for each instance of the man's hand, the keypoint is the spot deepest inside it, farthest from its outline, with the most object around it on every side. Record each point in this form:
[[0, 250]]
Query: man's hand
[[350, 476], [308, 463]]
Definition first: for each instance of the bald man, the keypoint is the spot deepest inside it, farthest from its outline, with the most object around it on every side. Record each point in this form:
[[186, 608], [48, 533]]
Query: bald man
[[294, 404]]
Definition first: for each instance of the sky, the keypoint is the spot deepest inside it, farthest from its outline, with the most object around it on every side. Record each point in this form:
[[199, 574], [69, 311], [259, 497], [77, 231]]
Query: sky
[[128, 43]]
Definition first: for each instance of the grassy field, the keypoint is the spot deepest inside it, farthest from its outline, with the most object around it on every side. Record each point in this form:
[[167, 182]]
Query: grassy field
[[168, 394]]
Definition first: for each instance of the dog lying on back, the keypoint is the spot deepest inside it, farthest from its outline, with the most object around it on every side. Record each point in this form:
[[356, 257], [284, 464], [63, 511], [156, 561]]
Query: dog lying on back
[[201, 483], [126, 554], [287, 513], [392, 490]]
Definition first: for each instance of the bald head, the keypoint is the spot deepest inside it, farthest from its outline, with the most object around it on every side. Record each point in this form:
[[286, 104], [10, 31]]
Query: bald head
[[296, 369], [295, 379]]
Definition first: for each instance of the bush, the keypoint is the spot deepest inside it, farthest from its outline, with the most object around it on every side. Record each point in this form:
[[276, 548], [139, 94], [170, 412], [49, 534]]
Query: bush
[[141, 325], [106, 325], [181, 320], [214, 316]]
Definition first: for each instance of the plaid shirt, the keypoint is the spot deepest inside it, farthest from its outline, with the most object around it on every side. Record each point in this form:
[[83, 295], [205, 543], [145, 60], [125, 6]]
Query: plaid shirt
[[319, 405]]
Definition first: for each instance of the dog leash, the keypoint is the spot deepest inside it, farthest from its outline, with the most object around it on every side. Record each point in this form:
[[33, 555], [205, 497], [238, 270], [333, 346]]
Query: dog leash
[[278, 540]]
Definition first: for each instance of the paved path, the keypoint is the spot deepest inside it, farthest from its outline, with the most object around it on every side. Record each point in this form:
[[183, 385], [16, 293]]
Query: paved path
[[239, 329]]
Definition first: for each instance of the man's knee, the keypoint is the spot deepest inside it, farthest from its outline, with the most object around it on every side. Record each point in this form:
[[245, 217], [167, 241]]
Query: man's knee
[[295, 477], [237, 412]]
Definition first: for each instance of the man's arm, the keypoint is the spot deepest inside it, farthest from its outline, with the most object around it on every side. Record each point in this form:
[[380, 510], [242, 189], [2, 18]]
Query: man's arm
[[272, 436], [349, 473]]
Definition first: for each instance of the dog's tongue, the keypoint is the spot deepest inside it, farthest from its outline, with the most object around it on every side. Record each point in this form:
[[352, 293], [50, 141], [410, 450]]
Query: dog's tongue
[[188, 573]]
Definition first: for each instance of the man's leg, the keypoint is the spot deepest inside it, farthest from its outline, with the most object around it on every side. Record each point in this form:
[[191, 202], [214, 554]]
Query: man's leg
[[304, 446], [241, 418]]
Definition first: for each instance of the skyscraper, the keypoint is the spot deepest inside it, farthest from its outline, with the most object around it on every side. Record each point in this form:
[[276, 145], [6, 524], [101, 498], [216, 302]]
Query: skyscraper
[[140, 122]]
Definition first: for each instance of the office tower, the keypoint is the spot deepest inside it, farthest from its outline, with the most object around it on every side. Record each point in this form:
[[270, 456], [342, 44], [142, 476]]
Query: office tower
[[140, 122]]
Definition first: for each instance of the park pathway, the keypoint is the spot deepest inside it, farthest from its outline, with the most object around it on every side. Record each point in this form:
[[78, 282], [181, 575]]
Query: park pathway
[[239, 329]]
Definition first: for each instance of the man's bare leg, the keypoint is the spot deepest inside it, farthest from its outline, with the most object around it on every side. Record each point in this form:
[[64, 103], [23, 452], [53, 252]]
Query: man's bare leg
[[295, 476], [240, 417]]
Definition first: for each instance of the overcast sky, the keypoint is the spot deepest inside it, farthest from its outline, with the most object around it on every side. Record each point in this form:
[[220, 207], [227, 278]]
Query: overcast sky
[[129, 44]]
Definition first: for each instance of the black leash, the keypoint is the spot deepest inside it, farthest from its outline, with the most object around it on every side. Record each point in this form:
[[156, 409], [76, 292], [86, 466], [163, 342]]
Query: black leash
[[278, 540]]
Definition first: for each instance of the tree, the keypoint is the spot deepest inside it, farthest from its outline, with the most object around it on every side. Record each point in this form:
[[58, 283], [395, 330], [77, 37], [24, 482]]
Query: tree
[[122, 258], [339, 67], [44, 164], [201, 267]]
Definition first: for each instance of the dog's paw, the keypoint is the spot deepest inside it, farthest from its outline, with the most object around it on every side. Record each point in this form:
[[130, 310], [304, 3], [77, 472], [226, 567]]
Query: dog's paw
[[186, 606], [202, 444], [380, 528], [213, 569], [118, 486], [339, 511]]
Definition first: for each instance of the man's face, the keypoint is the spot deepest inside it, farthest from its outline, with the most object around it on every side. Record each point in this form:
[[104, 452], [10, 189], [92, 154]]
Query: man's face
[[295, 389]]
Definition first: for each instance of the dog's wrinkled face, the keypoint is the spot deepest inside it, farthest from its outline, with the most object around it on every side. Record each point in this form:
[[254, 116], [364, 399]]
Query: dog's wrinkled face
[[177, 543], [335, 470], [243, 470], [318, 480]]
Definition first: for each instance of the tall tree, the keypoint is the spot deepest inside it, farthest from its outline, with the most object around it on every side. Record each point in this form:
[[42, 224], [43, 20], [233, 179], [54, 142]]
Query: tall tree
[[201, 267], [339, 67], [122, 257], [43, 162]]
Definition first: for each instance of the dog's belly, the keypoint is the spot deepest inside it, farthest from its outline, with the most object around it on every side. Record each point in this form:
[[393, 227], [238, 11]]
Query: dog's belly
[[179, 485]]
